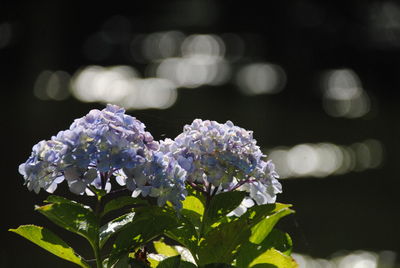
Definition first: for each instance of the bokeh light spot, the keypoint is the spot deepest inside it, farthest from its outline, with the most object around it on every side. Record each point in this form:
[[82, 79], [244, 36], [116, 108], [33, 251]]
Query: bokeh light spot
[[261, 78], [343, 95], [51, 85]]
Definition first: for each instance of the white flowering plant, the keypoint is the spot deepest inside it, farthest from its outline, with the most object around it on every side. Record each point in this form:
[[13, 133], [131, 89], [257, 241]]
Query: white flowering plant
[[204, 199]]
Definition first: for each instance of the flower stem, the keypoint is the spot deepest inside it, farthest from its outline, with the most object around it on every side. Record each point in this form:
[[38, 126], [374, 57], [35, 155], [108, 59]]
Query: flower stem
[[97, 209], [96, 251], [96, 244], [207, 205]]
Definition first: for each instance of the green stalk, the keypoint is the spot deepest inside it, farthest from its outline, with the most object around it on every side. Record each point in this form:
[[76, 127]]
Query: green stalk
[[98, 259], [96, 250], [96, 244], [208, 196], [207, 204]]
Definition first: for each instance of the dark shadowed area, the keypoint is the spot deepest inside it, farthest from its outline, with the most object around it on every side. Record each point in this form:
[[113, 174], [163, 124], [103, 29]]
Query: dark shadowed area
[[318, 83]]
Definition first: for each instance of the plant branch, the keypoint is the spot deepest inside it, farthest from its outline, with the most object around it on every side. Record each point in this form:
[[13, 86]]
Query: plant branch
[[96, 244]]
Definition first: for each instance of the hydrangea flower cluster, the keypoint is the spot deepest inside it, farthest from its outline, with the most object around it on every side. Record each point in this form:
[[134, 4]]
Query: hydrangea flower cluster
[[210, 156], [98, 146], [223, 157]]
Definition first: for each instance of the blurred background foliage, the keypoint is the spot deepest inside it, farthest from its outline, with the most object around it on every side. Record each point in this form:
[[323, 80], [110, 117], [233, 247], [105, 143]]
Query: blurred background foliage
[[318, 83]]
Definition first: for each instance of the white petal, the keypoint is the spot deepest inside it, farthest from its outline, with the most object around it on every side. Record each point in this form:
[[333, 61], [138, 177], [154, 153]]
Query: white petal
[[120, 180], [248, 202], [59, 179], [136, 193], [185, 254], [89, 192], [108, 187], [260, 199], [52, 187], [156, 257], [239, 211], [21, 169]]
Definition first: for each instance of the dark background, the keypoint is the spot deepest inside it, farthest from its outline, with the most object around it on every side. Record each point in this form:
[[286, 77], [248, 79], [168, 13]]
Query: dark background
[[356, 210]]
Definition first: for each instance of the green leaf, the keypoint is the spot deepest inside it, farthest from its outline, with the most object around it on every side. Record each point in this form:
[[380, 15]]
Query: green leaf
[[73, 217], [279, 240], [275, 259], [153, 262], [222, 204], [276, 239], [194, 204], [193, 209], [122, 262], [185, 233], [186, 264], [171, 262], [190, 217], [50, 242], [134, 264], [62, 200], [264, 227], [164, 249], [237, 231], [221, 243], [262, 211], [121, 202], [218, 265], [112, 227], [148, 223], [175, 262], [188, 233], [126, 261]]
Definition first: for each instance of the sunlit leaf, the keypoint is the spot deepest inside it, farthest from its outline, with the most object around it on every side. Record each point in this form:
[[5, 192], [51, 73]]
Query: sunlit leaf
[[112, 227], [153, 262], [264, 227], [74, 218], [194, 204], [164, 249], [276, 239], [50, 242], [222, 243], [275, 259], [193, 209], [62, 200]]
